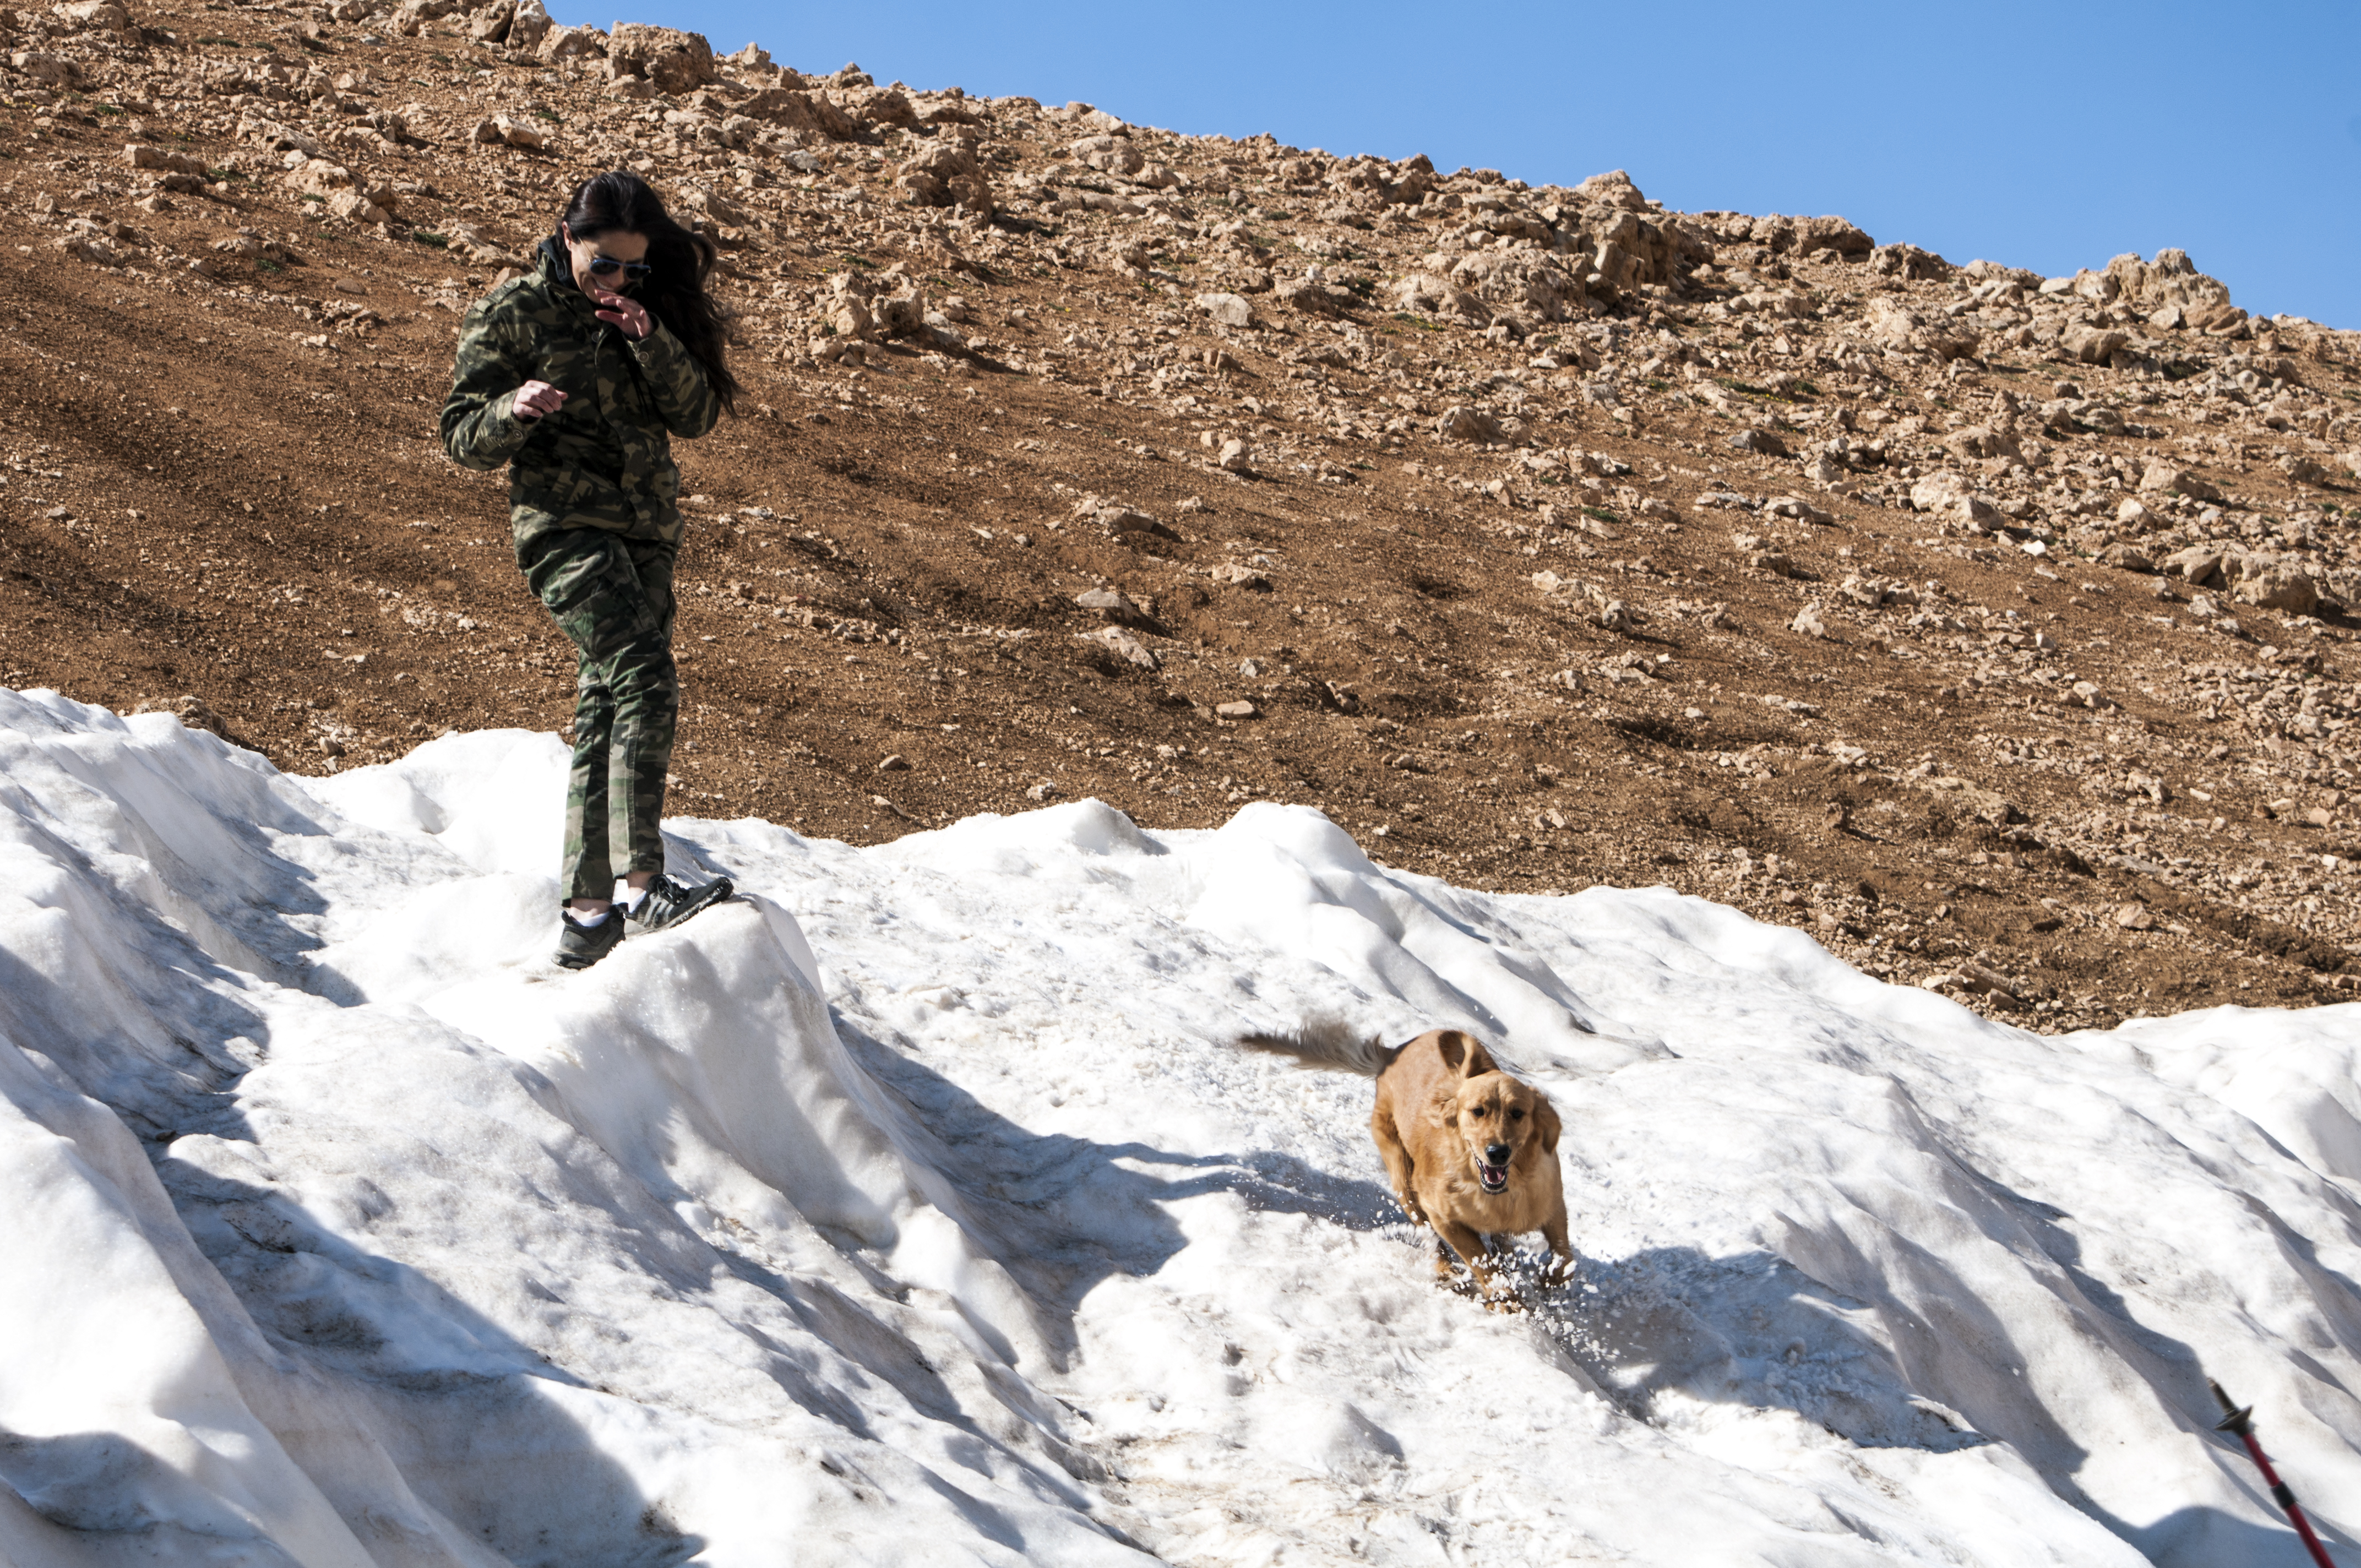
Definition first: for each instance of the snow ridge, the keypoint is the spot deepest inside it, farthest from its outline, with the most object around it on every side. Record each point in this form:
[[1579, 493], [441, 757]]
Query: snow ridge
[[916, 1208]]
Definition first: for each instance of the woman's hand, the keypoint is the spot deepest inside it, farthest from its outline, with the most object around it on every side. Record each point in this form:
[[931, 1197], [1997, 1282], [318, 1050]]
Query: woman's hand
[[618, 312], [536, 399]]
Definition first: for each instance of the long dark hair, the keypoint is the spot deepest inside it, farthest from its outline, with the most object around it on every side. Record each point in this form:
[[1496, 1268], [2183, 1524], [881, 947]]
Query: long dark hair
[[619, 200]]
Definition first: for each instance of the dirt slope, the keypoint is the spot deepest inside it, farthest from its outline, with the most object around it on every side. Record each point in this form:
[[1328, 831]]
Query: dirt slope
[[1551, 537]]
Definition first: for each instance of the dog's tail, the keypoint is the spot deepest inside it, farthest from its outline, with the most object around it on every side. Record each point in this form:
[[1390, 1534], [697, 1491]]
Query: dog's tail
[[1329, 1045]]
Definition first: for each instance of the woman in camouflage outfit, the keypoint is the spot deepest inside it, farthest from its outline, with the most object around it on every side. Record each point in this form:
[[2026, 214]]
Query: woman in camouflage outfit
[[577, 375]]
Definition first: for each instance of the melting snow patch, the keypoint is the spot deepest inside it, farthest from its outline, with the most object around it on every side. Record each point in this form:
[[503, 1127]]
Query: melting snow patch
[[915, 1208]]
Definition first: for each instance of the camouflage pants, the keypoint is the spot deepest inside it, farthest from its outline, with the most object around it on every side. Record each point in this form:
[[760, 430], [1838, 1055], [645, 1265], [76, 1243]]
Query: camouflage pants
[[613, 596]]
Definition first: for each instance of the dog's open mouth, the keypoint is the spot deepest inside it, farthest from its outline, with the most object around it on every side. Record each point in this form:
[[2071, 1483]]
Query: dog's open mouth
[[1493, 1178]]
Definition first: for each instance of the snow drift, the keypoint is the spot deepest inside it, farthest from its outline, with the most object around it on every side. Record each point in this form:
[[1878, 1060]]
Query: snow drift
[[914, 1209]]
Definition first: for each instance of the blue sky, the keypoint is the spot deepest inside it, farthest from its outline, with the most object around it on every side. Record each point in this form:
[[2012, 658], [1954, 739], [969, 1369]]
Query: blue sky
[[2043, 135]]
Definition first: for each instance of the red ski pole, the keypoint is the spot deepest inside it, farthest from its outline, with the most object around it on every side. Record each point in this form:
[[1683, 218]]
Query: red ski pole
[[2234, 1420]]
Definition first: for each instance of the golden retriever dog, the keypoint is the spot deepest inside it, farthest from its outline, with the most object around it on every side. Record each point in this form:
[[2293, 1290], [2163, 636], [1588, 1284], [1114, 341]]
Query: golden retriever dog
[[1472, 1151]]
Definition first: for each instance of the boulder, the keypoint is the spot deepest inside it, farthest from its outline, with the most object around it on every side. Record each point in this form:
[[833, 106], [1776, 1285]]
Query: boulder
[[1797, 507], [1785, 303], [143, 156], [512, 130], [1464, 424], [528, 27], [492, 23], [1908, 261], [1313, 296], [94, 15], [1983, 442], [672, 60], [1111, 154], [2199, 566], [2170, 282], [1614, 190], [710, 205], [951, 108], [1992, 272], [562, 44], [2091, 344], [1815, 235], [472, 242], [1892, 324], [1526, 285], [1228, 310], [1627, 249], [878, 107], [2171, 477], [43, 66], [1951, 497], [2217, 320], [944, 173], [92, 248], [2101, 287], [800, 111], [357, 207], [1128, 524], [1761, 442], [1123, 645], [275, 137], [873, 307], [2276, 582], [1440, 296], [1112, 603], [319, 177]]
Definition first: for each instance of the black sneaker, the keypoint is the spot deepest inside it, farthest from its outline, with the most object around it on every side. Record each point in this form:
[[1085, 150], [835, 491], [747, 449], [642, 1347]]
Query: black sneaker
[[580, 946], [667, 903]]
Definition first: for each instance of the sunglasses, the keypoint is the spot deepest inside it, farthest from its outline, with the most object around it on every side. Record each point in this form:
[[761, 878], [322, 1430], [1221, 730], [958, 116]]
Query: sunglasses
[[607, 267]]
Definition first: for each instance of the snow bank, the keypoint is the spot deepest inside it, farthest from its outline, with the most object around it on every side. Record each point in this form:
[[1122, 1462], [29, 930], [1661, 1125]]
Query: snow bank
[[913, 1209]]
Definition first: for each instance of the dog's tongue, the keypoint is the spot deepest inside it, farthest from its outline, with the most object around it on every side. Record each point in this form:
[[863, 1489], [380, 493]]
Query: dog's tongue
[[1493, 1177]]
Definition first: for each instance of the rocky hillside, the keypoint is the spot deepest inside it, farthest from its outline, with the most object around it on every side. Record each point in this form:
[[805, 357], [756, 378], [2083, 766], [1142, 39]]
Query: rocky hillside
[[1993, 625]]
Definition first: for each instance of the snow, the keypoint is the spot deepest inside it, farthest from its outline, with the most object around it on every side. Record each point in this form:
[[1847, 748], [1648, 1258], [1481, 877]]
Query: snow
[[917, 1208]]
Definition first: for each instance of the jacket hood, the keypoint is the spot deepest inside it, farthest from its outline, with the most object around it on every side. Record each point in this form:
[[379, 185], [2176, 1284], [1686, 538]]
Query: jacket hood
[[551, 256]]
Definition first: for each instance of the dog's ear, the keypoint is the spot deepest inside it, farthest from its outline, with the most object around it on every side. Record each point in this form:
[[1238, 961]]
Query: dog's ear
[[1545, 1118], [1444, 1109], [1465, 1054]]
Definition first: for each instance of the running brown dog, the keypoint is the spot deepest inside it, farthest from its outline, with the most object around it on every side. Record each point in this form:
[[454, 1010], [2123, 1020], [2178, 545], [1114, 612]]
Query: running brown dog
[[1472, 1151]]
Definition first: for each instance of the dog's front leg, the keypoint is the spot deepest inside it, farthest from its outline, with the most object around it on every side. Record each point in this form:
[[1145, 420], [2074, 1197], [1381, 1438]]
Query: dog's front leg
[[1561, 1264], [1496, 1294]]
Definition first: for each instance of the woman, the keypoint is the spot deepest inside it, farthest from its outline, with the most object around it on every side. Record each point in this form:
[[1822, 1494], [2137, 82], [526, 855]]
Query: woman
[[577, 375]]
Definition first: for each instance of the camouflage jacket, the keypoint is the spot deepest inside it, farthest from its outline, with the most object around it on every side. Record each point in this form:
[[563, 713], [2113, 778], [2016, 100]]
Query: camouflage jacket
[[605, 459]]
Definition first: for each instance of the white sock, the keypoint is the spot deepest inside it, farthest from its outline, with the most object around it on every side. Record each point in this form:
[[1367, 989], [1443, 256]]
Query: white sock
[[630, 899], [587, 920]]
